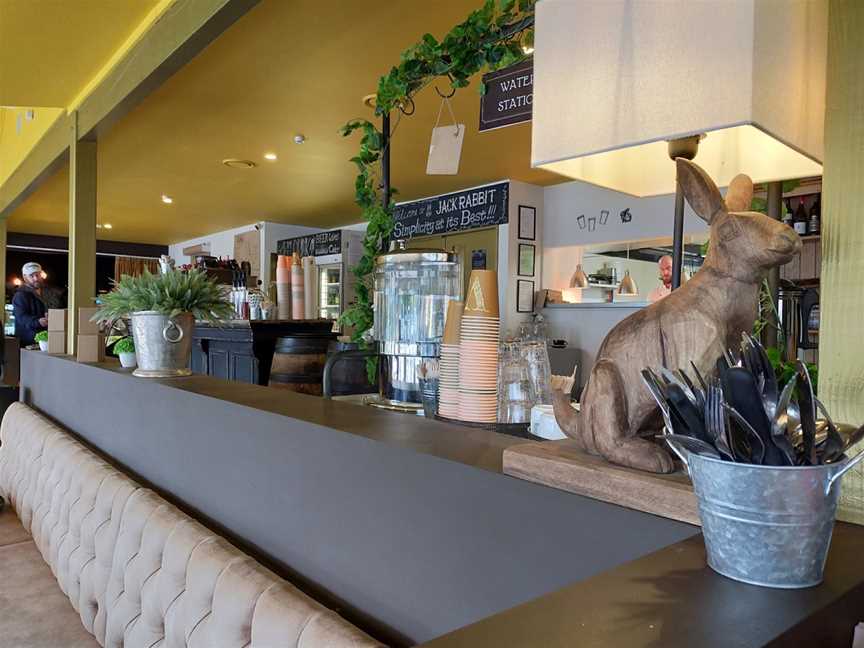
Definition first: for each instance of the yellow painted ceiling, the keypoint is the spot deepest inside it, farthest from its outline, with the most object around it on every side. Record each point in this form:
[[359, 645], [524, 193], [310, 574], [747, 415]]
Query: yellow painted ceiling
[[287, 67], [51, 49]]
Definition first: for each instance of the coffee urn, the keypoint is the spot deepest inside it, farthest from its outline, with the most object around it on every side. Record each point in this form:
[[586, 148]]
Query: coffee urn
[[411, 291]]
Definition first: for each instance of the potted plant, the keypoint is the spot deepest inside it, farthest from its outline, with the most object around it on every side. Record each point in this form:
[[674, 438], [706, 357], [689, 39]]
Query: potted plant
[[42, 339], [125, 350], [163, 309]]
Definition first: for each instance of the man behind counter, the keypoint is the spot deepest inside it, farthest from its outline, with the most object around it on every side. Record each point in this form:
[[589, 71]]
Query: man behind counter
[[664, 265], [29, 309]]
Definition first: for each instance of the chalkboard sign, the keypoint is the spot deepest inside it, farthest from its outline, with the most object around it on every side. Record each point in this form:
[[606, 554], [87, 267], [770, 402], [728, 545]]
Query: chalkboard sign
[[320, 244], [464, 210], [509, 96]]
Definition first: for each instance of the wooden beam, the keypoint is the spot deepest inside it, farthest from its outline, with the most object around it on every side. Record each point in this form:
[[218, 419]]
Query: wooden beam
[[43, 160], [175, 39], [841, 355], [82, 229]]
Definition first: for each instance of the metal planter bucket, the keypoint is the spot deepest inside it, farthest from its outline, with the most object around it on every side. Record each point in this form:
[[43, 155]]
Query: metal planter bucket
[[767, 525], [163, 345]]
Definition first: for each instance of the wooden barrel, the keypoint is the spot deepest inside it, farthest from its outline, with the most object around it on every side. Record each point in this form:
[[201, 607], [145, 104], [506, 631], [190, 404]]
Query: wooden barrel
[[349, 375], [298, 362]]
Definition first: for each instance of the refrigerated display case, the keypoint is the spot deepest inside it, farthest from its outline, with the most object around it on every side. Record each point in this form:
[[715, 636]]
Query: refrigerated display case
[[330, 296]]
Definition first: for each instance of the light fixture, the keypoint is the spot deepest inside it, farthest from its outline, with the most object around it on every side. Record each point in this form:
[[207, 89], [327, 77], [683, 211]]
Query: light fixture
[[108, 226], [299, 138], [579, 278], [270, 156], [628, 284], [753, 84], [16, 281], [98, 225], [235, 163], [167, 199]]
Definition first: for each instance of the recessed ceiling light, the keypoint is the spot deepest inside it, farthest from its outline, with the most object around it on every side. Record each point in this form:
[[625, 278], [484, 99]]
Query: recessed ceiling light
[[107, 226], [167, 200], [270, 156], [299, 138], [98, 225], [234, 163]]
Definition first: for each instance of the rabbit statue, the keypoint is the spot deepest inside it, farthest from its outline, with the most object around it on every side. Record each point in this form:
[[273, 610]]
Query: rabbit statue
[[618, 418]]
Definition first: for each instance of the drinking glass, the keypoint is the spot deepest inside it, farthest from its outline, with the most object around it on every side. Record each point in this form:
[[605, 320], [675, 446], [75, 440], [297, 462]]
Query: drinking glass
[[515, 393]]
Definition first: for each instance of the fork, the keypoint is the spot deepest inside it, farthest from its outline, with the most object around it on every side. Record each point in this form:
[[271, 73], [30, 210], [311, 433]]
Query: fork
[[715, 419]]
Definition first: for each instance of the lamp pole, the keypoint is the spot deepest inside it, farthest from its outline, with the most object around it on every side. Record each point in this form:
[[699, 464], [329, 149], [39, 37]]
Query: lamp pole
[[685, 147]]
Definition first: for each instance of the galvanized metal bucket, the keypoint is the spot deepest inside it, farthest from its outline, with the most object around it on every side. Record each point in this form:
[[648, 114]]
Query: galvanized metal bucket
[[767, 525], [163, 345]]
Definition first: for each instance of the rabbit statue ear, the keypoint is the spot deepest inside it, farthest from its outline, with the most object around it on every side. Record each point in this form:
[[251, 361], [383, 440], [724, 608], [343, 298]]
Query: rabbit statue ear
[[740, 193], [700, 190]]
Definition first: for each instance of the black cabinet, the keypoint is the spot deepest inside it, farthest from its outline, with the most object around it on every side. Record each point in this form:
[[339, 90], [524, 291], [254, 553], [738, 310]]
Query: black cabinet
[[225, 358], [243, 351]]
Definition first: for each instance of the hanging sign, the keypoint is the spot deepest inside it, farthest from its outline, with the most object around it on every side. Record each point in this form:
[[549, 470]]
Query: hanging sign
[[463, 210], [320, 244], [509, 96]]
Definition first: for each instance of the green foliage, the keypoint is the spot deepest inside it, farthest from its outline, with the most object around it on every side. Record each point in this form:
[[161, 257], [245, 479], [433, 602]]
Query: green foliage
[[125, 345], [41, 336], [170, 294], [785, 370], [489, 39]]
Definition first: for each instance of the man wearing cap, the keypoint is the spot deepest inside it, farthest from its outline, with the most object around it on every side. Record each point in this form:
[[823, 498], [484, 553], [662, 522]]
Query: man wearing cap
[[28, 307]]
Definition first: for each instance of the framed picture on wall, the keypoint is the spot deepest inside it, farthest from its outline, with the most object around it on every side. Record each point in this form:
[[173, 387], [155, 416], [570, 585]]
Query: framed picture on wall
[[527, 223], [524, 296], [527, 253]]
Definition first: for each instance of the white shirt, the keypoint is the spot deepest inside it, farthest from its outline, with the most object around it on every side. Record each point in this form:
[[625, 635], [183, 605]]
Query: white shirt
[[659, 293]]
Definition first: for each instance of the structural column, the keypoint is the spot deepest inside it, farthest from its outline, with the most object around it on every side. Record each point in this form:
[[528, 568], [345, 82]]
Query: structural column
[[841, 352], [82, 229]]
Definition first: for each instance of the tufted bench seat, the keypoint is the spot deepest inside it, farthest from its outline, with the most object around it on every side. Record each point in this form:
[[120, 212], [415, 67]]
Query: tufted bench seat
[[136, 572]]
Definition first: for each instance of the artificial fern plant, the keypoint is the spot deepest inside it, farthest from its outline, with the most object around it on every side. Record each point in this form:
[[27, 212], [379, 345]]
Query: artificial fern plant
[[170, 293]]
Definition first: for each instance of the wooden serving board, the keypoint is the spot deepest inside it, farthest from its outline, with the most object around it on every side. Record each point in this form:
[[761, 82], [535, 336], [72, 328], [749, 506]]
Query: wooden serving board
[[560, 465]]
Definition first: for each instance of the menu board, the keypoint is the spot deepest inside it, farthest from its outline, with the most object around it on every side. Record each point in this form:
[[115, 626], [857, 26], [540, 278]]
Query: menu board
[[320, 244], [463, 210]]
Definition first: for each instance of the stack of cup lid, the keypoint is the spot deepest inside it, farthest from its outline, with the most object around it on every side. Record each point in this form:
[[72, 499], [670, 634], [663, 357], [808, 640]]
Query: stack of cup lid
[[478, 349], [448, 367], [283, 286]]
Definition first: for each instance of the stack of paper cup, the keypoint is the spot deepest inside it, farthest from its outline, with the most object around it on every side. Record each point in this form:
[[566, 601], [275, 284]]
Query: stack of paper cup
[[309, 287], [283, 287], [478, 349], [448, 367], [298, 301]]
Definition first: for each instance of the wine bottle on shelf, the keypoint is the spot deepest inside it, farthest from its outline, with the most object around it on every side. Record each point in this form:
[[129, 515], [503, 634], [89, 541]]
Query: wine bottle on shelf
[[787, 214], [800, 219], [814, 225]]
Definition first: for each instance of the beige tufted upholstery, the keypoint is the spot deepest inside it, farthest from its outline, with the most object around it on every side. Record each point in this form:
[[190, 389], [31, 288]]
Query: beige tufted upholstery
[[140, 573]]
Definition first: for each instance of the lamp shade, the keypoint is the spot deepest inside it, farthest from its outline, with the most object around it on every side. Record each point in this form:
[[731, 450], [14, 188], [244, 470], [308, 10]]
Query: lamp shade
[[615, 79]]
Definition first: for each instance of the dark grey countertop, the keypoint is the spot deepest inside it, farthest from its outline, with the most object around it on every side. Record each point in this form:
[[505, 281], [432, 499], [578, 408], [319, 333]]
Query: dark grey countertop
[[407, 526]]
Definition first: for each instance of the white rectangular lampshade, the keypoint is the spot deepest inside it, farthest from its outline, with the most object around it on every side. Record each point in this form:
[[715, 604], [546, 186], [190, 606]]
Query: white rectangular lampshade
[[615, 79]]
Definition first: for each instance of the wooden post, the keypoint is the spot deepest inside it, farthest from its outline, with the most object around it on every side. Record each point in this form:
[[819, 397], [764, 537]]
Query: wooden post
[[82, 229], [841, 355]]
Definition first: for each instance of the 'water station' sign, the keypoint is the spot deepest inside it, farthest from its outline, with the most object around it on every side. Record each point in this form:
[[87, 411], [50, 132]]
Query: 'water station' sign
[[509, 96]]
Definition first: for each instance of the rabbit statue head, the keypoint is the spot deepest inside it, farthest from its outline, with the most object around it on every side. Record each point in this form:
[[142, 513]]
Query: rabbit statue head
[[744, 244]]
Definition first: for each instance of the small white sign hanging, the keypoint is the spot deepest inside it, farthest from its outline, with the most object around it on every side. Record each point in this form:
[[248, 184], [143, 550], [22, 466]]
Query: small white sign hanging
[[445, 149]]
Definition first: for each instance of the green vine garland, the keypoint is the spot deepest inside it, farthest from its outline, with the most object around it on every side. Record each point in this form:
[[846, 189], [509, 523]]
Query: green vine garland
[[498, 34]]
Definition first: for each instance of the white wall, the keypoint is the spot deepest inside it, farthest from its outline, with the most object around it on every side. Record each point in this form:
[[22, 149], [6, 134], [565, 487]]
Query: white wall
[[563, 239], [508, 252]]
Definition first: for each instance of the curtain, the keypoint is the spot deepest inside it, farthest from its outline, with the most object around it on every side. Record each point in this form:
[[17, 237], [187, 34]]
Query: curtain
[[133, 266]]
